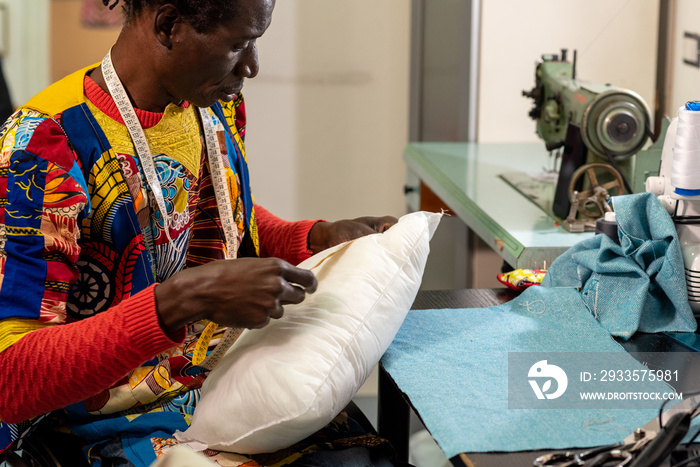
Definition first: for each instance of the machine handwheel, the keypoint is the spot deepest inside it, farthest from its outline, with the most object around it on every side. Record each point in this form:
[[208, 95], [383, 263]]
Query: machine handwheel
[[592, 199]]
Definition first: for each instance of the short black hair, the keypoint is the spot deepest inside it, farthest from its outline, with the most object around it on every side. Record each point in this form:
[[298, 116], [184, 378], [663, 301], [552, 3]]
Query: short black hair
[[202, 15]]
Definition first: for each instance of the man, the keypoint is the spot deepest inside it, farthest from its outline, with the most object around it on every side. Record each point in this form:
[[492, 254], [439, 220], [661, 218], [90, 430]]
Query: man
[[124, 201]]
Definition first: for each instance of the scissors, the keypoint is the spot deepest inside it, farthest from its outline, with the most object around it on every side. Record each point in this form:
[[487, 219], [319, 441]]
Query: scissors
[[621, 454], [647, 446]]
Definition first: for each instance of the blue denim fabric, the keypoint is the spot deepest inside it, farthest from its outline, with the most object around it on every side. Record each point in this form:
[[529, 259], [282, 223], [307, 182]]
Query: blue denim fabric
[[453, 364], [638, 285]]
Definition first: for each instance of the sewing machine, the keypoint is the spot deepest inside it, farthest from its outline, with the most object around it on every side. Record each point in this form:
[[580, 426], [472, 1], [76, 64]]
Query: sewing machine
[[600, 131], [603, 131]]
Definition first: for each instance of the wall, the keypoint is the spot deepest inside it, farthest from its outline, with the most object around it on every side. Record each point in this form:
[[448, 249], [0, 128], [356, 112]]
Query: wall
[[74, 46], [328, 113], [684, 84], [615, 39]]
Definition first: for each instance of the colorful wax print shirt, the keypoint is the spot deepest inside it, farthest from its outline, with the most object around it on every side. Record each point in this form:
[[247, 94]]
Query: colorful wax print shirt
[[81, 237]]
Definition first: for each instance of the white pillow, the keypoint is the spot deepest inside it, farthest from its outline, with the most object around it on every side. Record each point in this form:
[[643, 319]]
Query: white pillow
[[277, 385]]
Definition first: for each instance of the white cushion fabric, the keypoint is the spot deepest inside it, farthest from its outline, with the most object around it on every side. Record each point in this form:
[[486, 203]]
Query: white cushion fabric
[[277, 385]]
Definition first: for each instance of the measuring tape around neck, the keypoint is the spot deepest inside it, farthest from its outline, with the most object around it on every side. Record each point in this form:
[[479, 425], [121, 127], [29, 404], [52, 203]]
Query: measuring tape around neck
[[131, 121], [219, 182], [223, 201]]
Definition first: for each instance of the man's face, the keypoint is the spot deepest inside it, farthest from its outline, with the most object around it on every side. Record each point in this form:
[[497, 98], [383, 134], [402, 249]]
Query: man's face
[[211, 66]]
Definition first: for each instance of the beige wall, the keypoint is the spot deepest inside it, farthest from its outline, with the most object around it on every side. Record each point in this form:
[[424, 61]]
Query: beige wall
[[73, 45], [328, 113]]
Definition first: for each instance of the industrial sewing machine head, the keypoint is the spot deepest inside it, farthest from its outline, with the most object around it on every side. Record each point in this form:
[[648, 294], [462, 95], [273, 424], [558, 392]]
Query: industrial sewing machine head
[[599, 130]]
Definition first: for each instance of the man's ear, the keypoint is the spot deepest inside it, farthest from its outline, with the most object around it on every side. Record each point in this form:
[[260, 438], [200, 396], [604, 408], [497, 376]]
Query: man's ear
[[165, 21]]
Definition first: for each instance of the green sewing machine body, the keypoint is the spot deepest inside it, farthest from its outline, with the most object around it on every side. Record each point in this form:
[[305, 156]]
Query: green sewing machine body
[[591, 124]]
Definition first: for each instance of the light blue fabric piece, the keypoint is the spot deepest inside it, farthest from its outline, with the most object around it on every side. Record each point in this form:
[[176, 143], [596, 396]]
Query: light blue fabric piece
[[638, 285], [453, 364]]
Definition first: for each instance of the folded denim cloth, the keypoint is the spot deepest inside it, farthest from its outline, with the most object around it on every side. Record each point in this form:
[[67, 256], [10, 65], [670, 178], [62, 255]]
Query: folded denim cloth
[[638, 285]]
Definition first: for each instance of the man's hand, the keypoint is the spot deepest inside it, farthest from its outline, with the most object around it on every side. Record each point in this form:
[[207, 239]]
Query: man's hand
[[241, 293], [327, 234]]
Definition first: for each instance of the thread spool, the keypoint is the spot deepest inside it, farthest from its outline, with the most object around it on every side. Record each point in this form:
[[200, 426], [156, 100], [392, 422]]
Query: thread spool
[[685, 167], [607, 225]]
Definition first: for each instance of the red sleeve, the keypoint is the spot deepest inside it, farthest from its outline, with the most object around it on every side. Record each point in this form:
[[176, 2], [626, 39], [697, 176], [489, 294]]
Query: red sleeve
[[54, 367], [283, 239]]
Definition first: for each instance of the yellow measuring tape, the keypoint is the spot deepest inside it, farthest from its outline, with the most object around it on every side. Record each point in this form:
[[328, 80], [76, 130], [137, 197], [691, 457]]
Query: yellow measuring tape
[[200, 350], [200, 357]]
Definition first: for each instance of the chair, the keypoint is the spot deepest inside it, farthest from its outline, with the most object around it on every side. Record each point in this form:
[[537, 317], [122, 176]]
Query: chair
[[34, 456], [42, 449]]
